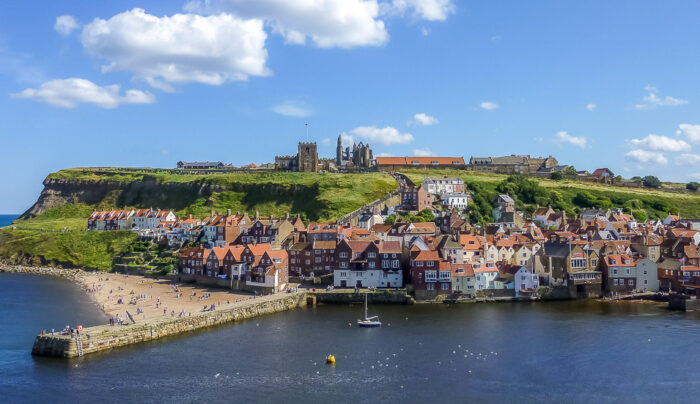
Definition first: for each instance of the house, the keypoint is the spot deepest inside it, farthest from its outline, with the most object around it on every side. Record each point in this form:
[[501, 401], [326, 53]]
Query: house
[[464, 280], [269, 273], [623, 275], [451, 222], [526, 282], [369, 218], [200, 165], [504, 212], [431, 277], [192, 260], [443, 185], [456, 200], [225, 229], [569, 265], [320, 232], [486, 274], [365, 264], [268, 230], [415, 198], [513, 164], [398, 163], [603, 174], [312, 259]]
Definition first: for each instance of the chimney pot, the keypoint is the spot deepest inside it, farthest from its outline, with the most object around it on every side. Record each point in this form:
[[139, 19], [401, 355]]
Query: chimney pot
[[228, 212]]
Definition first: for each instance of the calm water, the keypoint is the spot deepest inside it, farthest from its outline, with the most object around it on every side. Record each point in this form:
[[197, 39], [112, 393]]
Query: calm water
[[555, 352], [6, 220]]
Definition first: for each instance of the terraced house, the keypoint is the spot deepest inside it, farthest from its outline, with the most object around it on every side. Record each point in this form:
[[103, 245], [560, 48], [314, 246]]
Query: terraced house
[[365, 264]]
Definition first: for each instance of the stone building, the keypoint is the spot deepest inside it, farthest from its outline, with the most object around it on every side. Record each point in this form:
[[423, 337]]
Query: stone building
[[306, 159], [360, 156], [513, 164]]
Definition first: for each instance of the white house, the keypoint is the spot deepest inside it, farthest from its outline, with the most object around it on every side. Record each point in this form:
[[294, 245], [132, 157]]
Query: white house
[[367, 278], [526, 282], [369, 219], [443, 186], [455, 200], [486, 275]]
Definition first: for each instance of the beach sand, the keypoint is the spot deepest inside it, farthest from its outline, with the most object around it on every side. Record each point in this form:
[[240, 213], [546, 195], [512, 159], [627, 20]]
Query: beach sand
[[108, 288]]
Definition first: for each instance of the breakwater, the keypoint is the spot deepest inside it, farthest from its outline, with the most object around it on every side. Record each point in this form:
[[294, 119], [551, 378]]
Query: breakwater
[[105, 337], [68, 273]]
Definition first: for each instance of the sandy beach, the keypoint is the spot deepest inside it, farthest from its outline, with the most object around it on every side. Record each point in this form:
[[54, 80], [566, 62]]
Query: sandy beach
[[147, 298]]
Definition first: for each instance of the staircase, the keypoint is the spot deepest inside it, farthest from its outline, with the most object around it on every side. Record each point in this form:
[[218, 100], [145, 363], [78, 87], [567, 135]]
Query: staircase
[[79, 344]]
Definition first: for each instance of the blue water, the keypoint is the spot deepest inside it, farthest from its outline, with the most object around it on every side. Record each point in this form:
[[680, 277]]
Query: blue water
[[6, 220], [531, 352]]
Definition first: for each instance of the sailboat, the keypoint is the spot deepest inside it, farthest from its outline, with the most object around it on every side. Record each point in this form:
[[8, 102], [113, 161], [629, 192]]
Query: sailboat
[[369, 321]]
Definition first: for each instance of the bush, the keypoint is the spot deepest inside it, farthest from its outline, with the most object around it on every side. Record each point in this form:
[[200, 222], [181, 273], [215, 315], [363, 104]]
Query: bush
[[556, 176], [651, 182], [692, 186], [640, 214], [391, 219]]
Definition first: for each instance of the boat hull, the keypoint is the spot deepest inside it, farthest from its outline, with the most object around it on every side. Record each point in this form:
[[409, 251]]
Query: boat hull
[[369, 324]]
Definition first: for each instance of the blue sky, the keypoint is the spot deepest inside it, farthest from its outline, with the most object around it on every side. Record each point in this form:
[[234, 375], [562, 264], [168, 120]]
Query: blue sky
[[595, 83]]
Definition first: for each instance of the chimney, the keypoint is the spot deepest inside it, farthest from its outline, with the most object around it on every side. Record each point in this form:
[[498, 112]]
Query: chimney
[[213, 213], [190, 216], [228, 212], [257, 215], [286, 216]]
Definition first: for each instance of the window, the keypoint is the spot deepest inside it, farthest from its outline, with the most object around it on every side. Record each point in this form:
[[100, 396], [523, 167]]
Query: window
[[343, 264], [614, 271], [630, 282], [445, 275], [385, 263], [395, 263], [419, 263], [578, 263], [615, 282], [371, 264], [371, 255], [429, 263], [430, 286], [430, 275], [317, 260], [445, 286], [342, 254]]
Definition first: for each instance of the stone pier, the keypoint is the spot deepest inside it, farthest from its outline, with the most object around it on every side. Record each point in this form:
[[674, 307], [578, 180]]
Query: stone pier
[[106, 337]]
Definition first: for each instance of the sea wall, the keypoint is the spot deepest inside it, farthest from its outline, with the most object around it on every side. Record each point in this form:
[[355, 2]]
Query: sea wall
[[103, 338], [68, 273], [378, 297]]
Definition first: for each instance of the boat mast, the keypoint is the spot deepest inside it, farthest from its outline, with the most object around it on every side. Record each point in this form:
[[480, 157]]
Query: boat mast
[[365, 306]]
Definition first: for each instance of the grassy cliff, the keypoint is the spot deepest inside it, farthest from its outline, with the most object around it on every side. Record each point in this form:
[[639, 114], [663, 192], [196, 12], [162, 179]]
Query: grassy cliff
[[53, 230]]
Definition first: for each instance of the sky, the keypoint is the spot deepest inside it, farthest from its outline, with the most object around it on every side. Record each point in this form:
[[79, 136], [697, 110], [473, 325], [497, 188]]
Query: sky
[[146, 84]]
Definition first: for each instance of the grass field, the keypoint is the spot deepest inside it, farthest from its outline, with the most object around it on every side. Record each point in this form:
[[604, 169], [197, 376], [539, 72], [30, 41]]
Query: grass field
[[655, 202]]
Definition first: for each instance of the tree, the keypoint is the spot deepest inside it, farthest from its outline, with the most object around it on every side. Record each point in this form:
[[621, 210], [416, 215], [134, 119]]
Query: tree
[[556, 176], [692, 186], [651, 182], [570, 172], [391, 219]]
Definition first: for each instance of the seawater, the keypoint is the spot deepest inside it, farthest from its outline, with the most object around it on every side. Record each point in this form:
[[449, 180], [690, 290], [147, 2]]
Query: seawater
[[6, 220], [572, 351]]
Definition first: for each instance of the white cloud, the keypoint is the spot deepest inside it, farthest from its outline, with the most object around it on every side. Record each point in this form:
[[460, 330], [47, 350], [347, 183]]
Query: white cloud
[[292, 108], [591, 107], [539, 139], [652, 100], [645, 156], [68, 93], [430, 10], [489, 106], [688, 159], [692, 132], [180, 48], [383, 136], [563, 137], [326, 141], [422, 119], [385, 154], [658, 142], [65, 24], [424, 152], [694, 176], [327, 23]]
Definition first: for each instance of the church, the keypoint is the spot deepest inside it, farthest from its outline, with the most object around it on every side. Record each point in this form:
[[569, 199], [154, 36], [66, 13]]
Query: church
[[359, 157]]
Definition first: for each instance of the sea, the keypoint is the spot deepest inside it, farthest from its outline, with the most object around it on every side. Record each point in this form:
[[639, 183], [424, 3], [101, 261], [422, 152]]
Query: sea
[[563, 352], [6, 220]]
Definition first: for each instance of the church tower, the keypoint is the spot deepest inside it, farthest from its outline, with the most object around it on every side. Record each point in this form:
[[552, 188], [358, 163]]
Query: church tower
[[339, 153]]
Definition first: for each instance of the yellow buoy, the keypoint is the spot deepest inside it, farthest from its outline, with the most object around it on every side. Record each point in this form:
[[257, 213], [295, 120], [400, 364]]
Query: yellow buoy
[[330, 359]]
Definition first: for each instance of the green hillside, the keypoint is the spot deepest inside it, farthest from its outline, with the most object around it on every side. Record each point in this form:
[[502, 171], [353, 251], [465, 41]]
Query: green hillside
[[569, 195], [55, 233]]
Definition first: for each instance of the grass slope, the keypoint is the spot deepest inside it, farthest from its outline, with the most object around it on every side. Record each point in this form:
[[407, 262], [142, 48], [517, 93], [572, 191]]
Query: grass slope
[[571, 194]]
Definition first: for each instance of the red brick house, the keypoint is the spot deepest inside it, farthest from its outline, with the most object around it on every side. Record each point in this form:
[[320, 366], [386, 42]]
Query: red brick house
[[431, 276]]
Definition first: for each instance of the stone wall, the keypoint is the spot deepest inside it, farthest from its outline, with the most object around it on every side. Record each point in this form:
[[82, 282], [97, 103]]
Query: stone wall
[[102, 338], [379, 297]]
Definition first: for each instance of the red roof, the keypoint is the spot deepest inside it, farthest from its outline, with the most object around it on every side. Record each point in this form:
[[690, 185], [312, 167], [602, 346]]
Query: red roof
[[420, 160]]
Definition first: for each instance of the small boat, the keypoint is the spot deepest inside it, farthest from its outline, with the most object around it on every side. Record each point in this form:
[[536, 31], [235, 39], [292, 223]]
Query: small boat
[[369, 321], [330, 359]]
